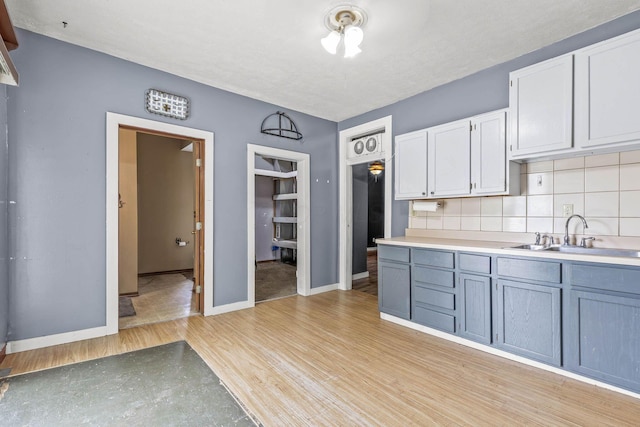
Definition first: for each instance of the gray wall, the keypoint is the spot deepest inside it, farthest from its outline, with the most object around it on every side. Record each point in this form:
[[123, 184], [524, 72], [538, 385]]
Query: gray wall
[[484, 91], [4, 224], [57, 149]]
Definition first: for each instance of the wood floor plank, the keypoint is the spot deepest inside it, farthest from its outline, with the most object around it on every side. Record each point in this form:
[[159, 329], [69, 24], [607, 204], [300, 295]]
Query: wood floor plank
[[329, 359]]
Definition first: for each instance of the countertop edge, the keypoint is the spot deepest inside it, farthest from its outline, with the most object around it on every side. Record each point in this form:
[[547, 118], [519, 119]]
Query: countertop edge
[[501, 248]]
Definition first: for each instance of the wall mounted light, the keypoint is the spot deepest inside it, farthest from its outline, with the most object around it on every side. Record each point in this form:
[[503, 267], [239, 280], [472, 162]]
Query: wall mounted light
[[344, 22]]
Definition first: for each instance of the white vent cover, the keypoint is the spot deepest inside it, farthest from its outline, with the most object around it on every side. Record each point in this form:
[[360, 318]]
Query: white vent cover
[[366, 145]]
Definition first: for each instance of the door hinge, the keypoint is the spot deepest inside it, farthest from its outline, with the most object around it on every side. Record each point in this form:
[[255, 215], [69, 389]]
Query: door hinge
[[198, 163], [470, 127], [511, 148], [511, 83], [470, 186], [198, 289]]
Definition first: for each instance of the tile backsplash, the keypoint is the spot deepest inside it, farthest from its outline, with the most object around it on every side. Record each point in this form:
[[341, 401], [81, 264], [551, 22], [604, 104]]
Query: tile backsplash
[[605, 189]]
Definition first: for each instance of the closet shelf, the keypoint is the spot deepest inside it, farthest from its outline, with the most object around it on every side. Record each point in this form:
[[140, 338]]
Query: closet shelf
[[286, 196], [289, 244], [285, 219], [276, 174]]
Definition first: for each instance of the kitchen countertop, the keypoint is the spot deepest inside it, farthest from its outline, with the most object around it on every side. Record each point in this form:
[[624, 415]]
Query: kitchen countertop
[[501, 248]]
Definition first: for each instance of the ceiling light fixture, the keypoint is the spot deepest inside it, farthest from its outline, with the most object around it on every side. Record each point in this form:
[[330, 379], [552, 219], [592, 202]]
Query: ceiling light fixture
[[376, 169], [344, 22]]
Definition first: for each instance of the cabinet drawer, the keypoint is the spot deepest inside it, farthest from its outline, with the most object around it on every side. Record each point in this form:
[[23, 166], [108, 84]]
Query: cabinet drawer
[[433, 319], [433, 258], [433, 297], [475, 263], [606, 277], [542, 271], [394, 253], [432, 276]]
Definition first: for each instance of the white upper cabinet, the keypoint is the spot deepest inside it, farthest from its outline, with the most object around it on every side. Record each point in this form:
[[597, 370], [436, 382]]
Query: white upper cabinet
[[411, 165], [488, 153], [607, 78], [541, 104], [449, 159]]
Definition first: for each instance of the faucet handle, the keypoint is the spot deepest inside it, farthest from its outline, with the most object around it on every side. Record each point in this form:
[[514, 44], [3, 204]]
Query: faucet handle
[[583, 241], [537, 238]]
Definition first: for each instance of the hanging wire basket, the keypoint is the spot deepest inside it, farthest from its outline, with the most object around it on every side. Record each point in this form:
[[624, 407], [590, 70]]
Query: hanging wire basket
[[279, 124]]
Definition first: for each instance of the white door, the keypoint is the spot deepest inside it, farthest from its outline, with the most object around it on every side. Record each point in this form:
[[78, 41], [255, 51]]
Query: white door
[[449, 157], [608, 92], [541, 103], [411, 165], [488, 153]]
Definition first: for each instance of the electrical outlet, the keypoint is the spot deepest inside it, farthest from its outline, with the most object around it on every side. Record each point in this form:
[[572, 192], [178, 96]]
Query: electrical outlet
[[567, 210]]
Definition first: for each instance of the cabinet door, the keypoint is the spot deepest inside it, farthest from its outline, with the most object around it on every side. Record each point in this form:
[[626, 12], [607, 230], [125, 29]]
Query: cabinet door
[[449, 159], [541, 107], [394, 287], [608, 92], [489, 153], [411, 165], [528, 320], [604, 337], [475, 308]]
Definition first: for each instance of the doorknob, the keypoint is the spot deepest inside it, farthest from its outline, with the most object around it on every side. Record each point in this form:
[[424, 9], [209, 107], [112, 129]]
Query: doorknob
[[194, 232]]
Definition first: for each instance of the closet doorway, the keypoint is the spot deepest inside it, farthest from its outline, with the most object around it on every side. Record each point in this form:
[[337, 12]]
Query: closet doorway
[[278, 223]]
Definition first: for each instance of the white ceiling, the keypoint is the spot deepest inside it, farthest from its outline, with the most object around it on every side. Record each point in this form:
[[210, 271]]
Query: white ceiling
[[270, 49]]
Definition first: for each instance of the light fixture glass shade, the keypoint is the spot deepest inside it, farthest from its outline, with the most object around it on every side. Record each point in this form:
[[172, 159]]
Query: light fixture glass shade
[[330, 42], [352, 38]]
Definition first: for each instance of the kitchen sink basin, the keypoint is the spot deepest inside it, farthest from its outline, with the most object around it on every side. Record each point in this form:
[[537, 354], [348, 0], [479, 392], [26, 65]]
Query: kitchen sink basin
[[594, 251], [529, 247], [580, 250]]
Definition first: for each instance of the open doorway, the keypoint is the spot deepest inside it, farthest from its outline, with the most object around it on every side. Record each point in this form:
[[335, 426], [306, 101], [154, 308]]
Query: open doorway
[[203, 237], [347, 137], [159, 208], [276, 196], [368, 224], [278, 220]]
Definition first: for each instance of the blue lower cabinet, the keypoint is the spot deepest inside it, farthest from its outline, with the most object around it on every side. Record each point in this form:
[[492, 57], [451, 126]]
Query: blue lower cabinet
[[603, 337], [528, 320], [394, 288], [474, 314]]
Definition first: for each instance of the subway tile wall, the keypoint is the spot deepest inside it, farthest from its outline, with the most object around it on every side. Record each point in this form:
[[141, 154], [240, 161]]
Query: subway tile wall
[[605, 189]]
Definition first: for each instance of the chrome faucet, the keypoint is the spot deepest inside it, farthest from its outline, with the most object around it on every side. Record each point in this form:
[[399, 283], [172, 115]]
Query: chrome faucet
[[566, 227]]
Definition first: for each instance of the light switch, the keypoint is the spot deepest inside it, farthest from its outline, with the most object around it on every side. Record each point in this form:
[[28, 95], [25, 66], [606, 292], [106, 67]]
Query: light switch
[[567, 210]]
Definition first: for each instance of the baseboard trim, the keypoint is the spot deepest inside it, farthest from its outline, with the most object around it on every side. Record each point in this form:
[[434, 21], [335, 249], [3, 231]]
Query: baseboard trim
[[130, 294], [359, 276], [504, 354], [227, 308], [157, 273], [56, 339], [3, 352], [323, 289]]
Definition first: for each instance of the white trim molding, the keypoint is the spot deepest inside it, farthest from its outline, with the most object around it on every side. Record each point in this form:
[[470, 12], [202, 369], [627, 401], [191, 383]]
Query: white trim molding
[[323, 289], [114, 121], [235, 306], [56, 339], [303, 210], [383, 125], [359, 276]]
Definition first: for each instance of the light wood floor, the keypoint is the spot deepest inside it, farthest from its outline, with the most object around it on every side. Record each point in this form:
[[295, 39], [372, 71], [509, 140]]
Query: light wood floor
[[161, 297], [369, 284], [329, 359]]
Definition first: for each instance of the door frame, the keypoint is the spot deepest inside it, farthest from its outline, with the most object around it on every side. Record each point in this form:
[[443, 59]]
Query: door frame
[[384, 124], [304, 219], [113, 123]]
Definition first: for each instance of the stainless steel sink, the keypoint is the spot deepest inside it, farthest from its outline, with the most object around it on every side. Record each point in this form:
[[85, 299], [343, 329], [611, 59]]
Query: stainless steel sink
[[529, 247], [594, 251], [580, 250]]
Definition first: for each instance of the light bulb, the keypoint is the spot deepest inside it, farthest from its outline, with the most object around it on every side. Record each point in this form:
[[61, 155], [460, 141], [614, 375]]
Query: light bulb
[[352, 38], [330, 42]]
